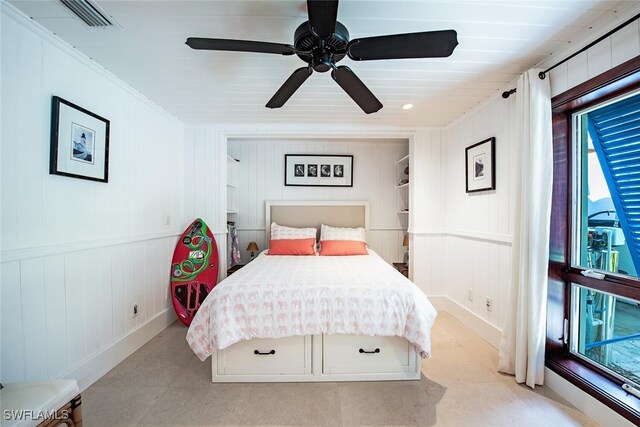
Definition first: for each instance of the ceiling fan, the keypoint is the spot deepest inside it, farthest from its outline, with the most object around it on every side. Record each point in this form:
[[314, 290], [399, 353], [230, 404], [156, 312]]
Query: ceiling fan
[[322, 41]]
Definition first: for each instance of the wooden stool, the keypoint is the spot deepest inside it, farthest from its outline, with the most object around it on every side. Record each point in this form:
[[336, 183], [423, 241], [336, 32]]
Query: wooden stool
[[42, 404]]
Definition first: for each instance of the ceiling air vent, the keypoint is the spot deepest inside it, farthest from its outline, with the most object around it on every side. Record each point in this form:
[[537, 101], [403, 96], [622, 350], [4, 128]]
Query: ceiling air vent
[[89, 12]]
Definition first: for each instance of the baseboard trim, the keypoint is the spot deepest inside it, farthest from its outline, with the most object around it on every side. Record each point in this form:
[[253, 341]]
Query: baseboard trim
[[477, 324], [601, 413], [101, 363]]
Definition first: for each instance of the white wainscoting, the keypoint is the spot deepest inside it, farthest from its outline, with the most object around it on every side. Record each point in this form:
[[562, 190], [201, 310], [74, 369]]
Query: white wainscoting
[[484, 267], [77, 254], [451, 264], [479, 226], [466, 244], [62, 310]]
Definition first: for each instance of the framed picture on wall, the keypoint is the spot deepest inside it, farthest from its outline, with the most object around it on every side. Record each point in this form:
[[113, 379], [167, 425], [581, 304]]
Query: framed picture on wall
[[310, 170], [79, 142], [480, 160]]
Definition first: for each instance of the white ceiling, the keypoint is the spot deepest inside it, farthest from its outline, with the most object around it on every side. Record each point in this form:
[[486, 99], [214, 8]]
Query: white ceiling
[[498, 40]]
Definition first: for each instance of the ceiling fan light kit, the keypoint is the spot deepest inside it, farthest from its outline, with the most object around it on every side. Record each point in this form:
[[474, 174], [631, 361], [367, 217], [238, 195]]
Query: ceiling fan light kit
[[322, 42]]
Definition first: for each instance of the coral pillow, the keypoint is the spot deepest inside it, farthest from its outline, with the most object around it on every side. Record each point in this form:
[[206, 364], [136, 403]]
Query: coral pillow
[[343, 247], [292, 246]]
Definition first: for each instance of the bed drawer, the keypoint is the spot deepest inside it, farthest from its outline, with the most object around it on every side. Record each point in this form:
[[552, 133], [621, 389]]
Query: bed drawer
[[353, 354], [283, 356]]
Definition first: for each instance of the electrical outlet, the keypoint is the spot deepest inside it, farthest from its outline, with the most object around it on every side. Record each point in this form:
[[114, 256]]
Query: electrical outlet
[[135, 310], [470, 294], [488, 303]]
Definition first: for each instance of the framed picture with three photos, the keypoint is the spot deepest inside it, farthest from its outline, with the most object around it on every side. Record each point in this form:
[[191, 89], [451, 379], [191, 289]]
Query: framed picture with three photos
[[311, 170]]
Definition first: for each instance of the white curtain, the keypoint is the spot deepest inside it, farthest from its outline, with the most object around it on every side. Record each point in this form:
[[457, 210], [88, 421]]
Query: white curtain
[[523, 339]]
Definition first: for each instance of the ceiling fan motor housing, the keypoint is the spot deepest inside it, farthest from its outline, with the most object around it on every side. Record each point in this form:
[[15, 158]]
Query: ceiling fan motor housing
[[321, 54]]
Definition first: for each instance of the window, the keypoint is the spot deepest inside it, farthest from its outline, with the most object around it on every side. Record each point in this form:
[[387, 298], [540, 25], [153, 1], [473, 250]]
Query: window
[[593, 324], [607, 332], [607, 173]]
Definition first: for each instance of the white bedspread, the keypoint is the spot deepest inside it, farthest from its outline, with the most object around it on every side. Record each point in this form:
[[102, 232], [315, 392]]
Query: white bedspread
[[280, 296]]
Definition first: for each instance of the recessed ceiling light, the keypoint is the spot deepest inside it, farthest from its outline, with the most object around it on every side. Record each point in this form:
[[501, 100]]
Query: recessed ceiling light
[[407, 106]]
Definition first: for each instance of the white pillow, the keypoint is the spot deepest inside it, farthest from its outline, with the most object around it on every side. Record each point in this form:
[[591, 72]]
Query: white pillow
[[341, 233], [283, 232]]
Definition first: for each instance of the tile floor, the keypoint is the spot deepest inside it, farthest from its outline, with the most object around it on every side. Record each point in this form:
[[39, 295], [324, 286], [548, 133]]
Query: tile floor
[[163, 383]]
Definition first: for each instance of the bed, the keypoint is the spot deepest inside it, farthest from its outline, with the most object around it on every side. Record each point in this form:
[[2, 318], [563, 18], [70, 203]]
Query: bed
[[314, 318]]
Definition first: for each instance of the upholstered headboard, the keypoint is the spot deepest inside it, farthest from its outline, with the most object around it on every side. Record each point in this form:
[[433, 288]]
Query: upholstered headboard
[[315, 213]]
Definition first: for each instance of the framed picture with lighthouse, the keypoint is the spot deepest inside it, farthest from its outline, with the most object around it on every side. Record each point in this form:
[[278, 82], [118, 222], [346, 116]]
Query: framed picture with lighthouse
[[480, 166], [79, 142]]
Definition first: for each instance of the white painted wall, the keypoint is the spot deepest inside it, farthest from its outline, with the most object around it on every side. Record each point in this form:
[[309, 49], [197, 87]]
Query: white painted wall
[[426, 220], [76, 254], [261, 172], [473, 231], [610, 52], [205, 192], [464, 240], [261, 176]]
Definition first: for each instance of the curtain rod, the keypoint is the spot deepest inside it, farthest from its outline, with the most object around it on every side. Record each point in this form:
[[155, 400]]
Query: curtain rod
[[543, 74]]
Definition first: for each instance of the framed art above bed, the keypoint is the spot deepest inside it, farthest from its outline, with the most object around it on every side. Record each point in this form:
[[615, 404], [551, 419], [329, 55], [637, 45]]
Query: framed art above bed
[[310, 170]]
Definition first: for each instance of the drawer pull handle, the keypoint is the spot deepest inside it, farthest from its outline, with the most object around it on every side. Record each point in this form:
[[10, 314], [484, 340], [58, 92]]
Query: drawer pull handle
[[264, 354], [377, 350]]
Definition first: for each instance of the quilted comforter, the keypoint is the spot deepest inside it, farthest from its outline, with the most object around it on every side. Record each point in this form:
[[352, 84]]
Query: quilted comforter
[[280, 296]]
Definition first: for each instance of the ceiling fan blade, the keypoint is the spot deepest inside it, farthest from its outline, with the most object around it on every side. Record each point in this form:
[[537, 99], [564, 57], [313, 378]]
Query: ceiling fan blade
[[322, 16], [288, 88], [240, 46], [357, 90], [430, 44]]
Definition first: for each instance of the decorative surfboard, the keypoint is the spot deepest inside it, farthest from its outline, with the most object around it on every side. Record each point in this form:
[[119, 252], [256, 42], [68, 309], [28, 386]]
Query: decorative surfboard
[[194, 270]]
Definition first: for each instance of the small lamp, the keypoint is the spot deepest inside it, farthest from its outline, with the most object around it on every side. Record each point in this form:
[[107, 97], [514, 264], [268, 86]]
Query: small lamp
[[253, 246], [405, 243]]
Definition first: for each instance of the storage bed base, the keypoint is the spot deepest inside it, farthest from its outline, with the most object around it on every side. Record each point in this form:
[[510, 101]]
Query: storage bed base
[[317, 358]]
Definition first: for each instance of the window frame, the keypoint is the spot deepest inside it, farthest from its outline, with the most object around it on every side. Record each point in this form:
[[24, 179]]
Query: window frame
[[597, 382]]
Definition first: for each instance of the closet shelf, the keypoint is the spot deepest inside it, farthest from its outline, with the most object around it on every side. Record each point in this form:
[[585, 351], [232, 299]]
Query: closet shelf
[[406, 184], [405, 158]]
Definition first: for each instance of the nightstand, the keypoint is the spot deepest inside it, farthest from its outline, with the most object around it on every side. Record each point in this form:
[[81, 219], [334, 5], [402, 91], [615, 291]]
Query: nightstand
[[234, 268], [402, 267]]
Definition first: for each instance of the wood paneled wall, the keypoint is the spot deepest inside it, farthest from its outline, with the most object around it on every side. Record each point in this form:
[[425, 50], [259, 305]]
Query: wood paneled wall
[[204, 195], [467, 245], [474, 238], [76, 254], [610, 52]]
